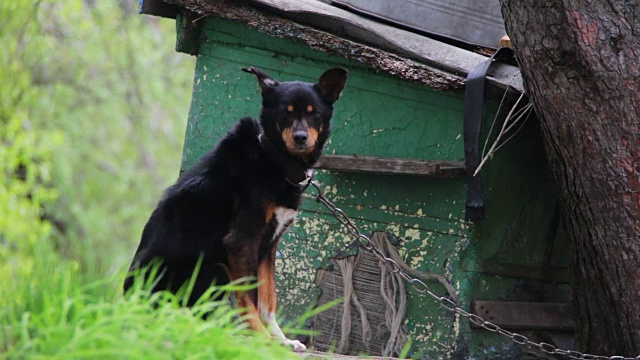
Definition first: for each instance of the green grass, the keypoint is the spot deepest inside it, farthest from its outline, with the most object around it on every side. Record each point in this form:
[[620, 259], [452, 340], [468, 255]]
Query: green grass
[[53, 311]]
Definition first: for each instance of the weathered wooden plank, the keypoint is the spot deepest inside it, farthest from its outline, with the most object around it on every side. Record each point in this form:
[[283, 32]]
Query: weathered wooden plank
[[525, 315], [188, 33], [391, 166]]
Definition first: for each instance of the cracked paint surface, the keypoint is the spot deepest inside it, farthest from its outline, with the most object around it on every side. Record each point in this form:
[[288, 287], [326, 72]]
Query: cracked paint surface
[[405, 207]]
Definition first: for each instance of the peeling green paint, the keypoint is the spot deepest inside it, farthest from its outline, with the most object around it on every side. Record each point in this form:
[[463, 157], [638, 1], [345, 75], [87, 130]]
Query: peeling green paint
[[382, 116]]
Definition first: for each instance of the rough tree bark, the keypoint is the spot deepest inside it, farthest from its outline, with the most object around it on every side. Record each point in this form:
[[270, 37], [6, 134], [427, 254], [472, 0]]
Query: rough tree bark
[[580, 60]]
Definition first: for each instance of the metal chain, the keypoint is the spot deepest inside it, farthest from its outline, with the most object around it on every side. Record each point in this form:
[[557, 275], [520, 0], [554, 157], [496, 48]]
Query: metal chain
[[421, 287]]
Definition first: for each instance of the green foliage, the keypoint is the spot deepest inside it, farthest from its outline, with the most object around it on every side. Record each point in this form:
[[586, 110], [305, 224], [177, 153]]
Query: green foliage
[[107, 86], [70, 318], [26, 154], [93, 106]]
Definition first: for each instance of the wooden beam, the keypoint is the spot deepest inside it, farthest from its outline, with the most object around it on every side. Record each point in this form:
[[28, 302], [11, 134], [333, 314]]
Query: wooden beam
[[525, 315], [391, 166], [188, 32]]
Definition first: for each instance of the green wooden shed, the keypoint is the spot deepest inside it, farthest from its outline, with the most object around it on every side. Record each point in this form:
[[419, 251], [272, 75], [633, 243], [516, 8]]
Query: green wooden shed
[[395, 164]]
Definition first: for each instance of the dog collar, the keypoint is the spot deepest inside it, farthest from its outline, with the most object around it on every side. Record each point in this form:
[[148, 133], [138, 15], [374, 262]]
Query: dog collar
[[304, 184]]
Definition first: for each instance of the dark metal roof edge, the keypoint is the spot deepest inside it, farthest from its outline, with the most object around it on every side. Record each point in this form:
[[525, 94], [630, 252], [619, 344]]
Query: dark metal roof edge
[[158, 8]]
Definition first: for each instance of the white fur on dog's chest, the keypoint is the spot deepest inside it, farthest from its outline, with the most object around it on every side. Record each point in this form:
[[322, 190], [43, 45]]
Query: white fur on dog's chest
[[284, 218]]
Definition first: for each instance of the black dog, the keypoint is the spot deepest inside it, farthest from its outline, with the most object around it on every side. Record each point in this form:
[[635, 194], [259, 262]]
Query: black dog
[[231, 209]]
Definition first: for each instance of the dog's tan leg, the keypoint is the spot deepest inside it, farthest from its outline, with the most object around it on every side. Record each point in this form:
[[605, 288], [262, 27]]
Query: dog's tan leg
[[242, 263], [250, 312], [267, 300]]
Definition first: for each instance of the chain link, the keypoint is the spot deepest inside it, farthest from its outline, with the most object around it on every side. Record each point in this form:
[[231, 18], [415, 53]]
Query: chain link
[[421, 287]]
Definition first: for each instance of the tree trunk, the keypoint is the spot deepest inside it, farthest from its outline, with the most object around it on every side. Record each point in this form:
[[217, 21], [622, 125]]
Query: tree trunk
[[580, 61]]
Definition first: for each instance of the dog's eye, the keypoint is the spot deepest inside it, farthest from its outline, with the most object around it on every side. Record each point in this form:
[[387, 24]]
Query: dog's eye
[[310, 108], [290, 108]]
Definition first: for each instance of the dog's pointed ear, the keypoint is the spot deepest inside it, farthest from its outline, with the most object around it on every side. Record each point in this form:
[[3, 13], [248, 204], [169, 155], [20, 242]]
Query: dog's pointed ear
[[264, 80], [331, 84]]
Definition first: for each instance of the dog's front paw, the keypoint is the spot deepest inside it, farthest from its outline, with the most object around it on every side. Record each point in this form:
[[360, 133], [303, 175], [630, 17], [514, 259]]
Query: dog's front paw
[[295, 345]]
